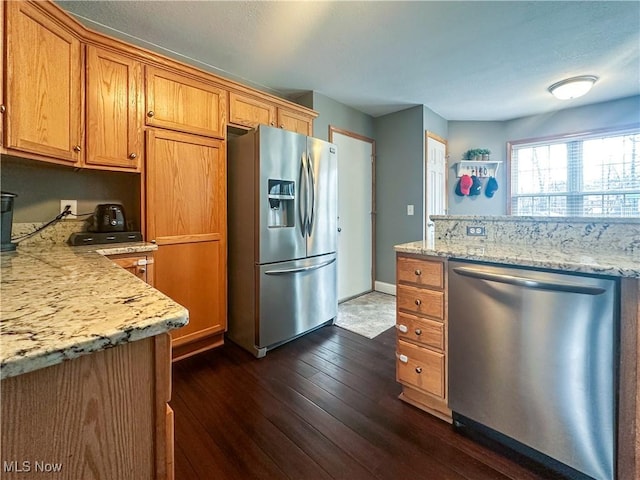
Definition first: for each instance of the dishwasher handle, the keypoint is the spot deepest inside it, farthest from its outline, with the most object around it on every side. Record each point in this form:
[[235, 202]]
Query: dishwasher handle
[[528, 282]]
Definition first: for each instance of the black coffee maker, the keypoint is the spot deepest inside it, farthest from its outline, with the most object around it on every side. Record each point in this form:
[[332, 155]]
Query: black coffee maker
[[6, 221]]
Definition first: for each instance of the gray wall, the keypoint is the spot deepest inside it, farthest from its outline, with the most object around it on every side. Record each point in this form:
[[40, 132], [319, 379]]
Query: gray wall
[[399, 163], [462, 137], [336, 114], [41, 186], [495, 135]]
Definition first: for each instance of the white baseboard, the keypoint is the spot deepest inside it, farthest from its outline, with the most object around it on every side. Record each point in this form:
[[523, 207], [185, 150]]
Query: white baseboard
[[383, 287]]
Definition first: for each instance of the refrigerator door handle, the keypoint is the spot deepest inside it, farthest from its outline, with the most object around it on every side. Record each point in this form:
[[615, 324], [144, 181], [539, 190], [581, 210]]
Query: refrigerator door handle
[[286, 271], [312, 204], [303, 196]]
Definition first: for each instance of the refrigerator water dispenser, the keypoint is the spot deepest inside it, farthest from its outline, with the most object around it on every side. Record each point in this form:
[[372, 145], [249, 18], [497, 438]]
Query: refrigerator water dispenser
[[281, 203]]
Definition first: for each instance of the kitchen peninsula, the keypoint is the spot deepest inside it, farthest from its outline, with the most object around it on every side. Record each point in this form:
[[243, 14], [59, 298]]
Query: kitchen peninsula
[[593, 246], [85, 366]]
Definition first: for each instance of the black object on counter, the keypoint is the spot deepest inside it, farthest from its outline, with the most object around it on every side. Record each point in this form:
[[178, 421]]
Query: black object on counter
[[108, 217], [97, 238], [6, 220]]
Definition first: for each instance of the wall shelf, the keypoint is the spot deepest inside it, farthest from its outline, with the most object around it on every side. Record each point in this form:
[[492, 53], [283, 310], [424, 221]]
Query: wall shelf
[[479, 168]]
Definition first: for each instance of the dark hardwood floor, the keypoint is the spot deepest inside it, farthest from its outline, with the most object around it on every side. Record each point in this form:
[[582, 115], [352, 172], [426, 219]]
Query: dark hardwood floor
[[323, 406]]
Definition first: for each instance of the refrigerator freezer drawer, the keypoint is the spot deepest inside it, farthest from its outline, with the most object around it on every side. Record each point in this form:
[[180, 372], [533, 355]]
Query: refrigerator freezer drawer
[[295, 297]]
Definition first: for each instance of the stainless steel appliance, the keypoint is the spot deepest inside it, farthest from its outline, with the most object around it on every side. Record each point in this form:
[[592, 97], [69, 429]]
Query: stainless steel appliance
[[6, 222], [533, 357], [282, 226]]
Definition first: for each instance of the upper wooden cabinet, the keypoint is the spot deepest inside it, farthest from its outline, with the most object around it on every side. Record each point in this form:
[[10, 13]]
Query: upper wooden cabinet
[[114, 110], [44, 105], [249, 111], [182, 103], [294, 121]]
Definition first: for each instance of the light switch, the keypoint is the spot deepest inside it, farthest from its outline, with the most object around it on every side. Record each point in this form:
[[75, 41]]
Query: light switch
[[409, 209]]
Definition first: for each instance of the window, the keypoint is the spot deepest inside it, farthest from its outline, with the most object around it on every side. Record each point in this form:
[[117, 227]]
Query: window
[[581, 176]]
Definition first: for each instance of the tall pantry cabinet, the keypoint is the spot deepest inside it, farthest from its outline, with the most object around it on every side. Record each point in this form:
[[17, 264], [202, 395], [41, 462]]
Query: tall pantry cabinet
[[186, 217]]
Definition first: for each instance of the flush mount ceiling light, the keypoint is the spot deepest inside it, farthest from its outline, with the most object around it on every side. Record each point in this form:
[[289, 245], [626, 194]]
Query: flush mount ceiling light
[[572, 87]]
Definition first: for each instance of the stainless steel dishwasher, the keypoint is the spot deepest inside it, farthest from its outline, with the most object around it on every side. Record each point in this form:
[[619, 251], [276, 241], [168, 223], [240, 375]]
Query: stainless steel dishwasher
[[533, 361]]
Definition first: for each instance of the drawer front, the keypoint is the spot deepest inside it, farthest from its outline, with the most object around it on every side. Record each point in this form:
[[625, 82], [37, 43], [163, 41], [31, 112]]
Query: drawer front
[[421, 272], [420, 368], [421, 301], [420, 330]]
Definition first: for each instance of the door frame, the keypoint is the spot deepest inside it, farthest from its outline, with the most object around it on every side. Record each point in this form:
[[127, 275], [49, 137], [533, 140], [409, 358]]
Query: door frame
[[371, 141], [437, 138]]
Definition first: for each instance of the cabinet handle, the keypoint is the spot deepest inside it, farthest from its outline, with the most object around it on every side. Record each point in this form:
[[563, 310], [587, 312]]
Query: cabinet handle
[[150, 113], [402, 358], [77, 148], [133, 156], [418, 332], [153, 241], [418, 369], [418, 302], [418, 272], [402, 328], [3, 109]]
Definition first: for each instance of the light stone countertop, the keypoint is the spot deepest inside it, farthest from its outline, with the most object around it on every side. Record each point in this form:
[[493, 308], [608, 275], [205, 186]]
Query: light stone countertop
[[59, 302], [569, 260]]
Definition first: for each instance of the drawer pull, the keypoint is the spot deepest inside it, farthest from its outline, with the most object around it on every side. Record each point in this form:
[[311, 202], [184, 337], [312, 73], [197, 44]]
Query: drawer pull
[[418, 332], [418, 272], [402, 358], [402, 328], [418, 302], [418, 369]]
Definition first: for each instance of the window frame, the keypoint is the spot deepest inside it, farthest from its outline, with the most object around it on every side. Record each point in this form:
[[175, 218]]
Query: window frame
[[561, 138]]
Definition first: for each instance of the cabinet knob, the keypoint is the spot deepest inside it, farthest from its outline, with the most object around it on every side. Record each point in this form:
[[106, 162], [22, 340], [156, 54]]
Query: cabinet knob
[[142, 270], [282, 125], [272, 124], [418, 369], [418, 332], [133, 156], [3, 109], [418, 272], [153, 241], [418, 302], [77, 148], [150, 113]]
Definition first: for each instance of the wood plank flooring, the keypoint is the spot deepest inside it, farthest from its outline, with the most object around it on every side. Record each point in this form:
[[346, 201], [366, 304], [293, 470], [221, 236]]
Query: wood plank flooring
[[321, 407]]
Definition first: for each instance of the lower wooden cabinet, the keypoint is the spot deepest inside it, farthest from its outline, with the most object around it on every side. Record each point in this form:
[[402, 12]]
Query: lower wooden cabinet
[[102, 416], [140, 264], [421, 326]]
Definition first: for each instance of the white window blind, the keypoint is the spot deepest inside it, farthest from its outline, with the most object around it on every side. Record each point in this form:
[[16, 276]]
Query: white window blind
[[589, 175]]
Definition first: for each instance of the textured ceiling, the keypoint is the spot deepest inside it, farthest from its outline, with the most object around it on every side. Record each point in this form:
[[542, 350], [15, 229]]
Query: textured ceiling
[[464, 60]]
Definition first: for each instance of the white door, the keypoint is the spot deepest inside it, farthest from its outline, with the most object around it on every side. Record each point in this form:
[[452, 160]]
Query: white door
[[355, 219], [435, 182]]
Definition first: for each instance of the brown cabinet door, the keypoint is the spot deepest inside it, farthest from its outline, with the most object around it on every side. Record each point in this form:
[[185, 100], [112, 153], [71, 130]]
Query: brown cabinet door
[[296, 122], [186, 216], [184, 104], [250, 112], [44, 111], [114, 110]]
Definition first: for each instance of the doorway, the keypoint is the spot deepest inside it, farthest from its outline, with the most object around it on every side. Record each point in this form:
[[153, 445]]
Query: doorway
[[435, 182], [356, 212]]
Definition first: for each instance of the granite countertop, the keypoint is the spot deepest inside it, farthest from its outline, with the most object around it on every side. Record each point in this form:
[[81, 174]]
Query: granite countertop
[[569, 260], [60, 302]]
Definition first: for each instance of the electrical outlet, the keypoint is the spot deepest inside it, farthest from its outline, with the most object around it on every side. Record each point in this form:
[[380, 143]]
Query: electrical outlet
[[74, 208], [476, 231], [409, 209]]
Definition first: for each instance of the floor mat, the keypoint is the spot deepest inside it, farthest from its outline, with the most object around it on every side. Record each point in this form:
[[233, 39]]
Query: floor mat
[[368, 315]]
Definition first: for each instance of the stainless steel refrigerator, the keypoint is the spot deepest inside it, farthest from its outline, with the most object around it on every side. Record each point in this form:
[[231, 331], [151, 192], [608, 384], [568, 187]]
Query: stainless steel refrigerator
[[282, 227]]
